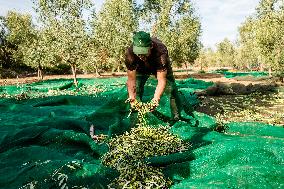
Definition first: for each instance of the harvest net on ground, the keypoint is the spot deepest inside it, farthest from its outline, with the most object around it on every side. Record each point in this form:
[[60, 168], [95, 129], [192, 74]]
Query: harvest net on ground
[[45, 139], [229, 74]]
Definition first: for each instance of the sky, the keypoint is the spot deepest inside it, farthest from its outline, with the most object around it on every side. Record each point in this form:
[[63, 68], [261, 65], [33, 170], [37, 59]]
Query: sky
[[219, 18]]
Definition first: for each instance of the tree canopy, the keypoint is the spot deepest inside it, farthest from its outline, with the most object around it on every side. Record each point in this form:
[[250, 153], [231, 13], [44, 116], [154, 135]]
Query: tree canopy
[[64, 35]]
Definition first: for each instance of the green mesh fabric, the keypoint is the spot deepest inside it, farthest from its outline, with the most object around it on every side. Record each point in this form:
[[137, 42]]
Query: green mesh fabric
[[45, 140], [248, 155], [228, 74]]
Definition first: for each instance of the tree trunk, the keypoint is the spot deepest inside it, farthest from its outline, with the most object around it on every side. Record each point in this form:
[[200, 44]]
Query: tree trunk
[[270, 72], [278, 60], [261, 67], [281, 78], [186, 68], [97, 70], [39, 72], [73, 67], [248, 67], [112, 70], [118, 68]]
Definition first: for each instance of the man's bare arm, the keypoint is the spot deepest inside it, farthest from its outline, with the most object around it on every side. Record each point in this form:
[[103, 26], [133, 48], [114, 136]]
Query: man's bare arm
[[131, 84], [162, 81]]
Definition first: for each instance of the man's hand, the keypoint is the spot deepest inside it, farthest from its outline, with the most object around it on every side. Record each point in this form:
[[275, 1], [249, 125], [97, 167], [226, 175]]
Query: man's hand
[[155, 104], [131, 85], [162, 81], [132, 102]]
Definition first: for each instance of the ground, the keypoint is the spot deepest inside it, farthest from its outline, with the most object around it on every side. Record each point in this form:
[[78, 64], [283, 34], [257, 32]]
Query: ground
[[262, 106]]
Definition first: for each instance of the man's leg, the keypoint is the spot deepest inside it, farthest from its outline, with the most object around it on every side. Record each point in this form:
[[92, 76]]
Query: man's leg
[[177, 106], [140, 83], [175, 103]]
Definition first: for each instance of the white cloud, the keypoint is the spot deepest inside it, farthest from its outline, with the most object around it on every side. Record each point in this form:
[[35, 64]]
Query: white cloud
[[23, 6], [220, 18]]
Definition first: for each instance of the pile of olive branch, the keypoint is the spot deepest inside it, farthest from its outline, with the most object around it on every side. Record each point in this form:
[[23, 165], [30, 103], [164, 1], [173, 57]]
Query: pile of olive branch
[[30, 94], [128, 151], [143, 109]]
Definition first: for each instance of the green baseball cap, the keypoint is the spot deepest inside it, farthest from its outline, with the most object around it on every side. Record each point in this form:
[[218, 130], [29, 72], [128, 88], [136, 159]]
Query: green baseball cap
[[141, 42]]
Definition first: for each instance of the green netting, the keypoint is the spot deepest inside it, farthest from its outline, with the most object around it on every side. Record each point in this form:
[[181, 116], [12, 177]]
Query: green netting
[[228, 74], [249, 155], [45, 140]]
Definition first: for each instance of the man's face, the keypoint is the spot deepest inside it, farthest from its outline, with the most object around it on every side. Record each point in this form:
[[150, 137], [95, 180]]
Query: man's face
[[144, 57]]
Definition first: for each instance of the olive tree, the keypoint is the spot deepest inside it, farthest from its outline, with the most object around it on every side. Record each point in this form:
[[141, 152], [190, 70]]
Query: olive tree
[[175, 23], [40, 53], [20, 32], [226, 53], [112, 31], [262, 35], [206, 58], [71, 45], [64, 19]]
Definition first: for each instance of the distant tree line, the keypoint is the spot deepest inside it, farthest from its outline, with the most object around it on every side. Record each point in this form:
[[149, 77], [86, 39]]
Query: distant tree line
[[63, 37], [260, 45]]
